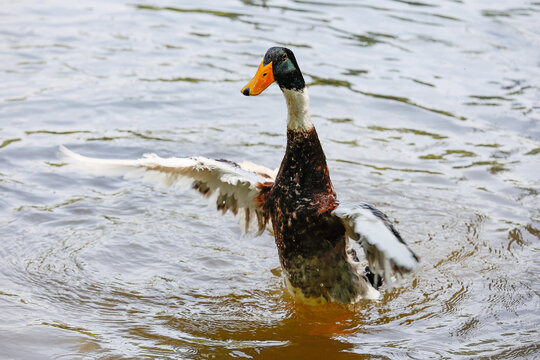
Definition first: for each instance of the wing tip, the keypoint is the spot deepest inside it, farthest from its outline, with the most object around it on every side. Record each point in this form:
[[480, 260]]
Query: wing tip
[[69, 155], [64, 151]]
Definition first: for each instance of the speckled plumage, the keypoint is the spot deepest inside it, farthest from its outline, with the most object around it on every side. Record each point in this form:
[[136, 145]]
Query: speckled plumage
[[311, 241]]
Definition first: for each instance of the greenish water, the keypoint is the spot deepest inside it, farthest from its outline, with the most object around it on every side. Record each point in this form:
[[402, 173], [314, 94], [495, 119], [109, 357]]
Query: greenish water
[[428, 109]]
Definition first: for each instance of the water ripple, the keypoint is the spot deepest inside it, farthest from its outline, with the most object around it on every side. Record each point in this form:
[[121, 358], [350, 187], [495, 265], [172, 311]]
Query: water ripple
[[429, 110]]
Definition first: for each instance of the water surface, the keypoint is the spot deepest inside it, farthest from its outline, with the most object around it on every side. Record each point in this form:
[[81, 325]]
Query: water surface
[[427, 109]]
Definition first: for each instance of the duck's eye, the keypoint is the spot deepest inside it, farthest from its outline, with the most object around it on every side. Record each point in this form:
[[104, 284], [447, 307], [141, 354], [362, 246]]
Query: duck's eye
[[284, 57]]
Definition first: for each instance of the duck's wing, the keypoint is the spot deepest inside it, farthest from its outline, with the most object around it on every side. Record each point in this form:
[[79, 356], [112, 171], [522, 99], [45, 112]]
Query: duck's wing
[[233, 185], [263, 171], [385, 250]]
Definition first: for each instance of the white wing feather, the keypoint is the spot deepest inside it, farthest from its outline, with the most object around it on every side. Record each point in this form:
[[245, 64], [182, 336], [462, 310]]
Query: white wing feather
[[233, 186], [385, 250]]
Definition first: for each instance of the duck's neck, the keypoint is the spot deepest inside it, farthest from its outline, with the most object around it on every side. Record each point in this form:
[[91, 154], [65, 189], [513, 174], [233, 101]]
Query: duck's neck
[[304, 163], [303, 167], [299, 118]]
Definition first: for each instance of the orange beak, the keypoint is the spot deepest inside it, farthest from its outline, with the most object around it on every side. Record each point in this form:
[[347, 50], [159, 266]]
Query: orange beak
[[262, 79]]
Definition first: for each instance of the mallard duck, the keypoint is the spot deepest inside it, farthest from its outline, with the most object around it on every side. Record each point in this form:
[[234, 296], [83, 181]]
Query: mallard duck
[[317, 236]]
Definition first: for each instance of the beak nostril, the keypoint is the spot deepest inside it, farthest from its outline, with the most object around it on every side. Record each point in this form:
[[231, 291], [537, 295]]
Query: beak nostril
[[246, 91]]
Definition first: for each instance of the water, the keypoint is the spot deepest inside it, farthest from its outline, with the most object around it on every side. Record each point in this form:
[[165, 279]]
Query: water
[[427, 109]]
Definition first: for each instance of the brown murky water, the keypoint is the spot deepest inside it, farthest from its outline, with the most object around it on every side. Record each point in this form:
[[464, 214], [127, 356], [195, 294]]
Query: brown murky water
[[427, 109]]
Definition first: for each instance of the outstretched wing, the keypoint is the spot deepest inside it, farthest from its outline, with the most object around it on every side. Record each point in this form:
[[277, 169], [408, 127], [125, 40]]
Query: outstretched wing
[[385, 250], [233, 185]]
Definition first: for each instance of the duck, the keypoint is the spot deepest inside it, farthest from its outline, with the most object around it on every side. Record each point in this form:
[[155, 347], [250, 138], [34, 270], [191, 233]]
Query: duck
[[318, 237]]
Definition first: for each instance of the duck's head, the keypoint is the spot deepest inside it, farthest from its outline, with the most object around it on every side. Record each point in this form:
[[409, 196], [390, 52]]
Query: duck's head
[[279, 65]]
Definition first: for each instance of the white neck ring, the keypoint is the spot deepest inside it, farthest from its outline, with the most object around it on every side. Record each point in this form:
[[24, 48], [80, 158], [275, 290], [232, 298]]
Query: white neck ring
[[299, 117]]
